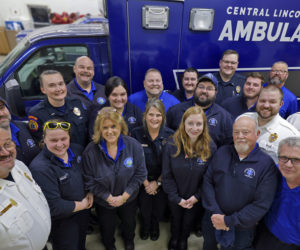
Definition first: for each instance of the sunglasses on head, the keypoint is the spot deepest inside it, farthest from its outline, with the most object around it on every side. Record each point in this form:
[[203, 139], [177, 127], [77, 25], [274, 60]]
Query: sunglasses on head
[[55, 125]]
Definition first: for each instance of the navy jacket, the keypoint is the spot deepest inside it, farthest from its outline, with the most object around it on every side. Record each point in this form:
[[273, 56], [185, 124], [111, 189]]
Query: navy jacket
[[152, 149], [132, 115], [27, 149], [237, 105], [74, 114], [234, 87], [180, 95], [98, 94], [61, 185], [105, 176], [219, 121], [242, 190], [182, 176]]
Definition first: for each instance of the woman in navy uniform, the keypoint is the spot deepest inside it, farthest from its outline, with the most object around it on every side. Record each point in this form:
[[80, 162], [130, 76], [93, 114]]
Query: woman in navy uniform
[[185, 159], [114, 169], [116, 91], [152, 135], [57, 169]]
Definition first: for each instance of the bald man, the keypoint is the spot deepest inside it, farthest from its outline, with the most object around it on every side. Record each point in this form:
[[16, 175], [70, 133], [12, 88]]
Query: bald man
[[82, 86]]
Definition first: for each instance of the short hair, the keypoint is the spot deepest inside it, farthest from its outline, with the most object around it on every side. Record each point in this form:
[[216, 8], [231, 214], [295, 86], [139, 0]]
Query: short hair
[[152, 70], [249, 116], [230, 52], [280, 62], [191, 69], [293, 142], [182, 141], [156, 103], [108, 113], [114, 82], [272, 87], [48, 72], [256, 75]]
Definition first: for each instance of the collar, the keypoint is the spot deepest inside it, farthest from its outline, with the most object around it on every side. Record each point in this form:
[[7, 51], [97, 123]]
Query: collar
[[93, 88], [56, 159], [14, 131], [272, 123], [250, 156], [121, 146], [70, 158]]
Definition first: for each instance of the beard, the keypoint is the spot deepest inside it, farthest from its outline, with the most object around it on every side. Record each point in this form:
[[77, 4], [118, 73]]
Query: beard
[[276, 80], [204, 103], [241, 148]]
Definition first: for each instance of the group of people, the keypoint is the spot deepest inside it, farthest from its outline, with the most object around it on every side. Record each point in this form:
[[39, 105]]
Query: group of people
[[218, 154]]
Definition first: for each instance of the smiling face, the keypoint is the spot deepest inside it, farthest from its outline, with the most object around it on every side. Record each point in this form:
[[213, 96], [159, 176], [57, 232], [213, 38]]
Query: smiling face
[[268, 104], [5, 116], [193, 126], [84, 70], [289, 170], [228, 65], [54, 87], [252, 87], [118, 98], [57, 141], [153, 118], [205, 94], [8, 153], [110, 131], [189, 81], [153, 84]]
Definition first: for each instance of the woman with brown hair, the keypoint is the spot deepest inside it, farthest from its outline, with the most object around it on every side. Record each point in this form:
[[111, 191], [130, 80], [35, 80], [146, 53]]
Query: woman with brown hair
[[114, 168], [185, 159]]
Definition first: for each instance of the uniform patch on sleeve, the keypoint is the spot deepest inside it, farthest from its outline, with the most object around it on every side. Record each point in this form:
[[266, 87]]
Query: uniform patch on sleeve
[[128, 162], [32, 124]]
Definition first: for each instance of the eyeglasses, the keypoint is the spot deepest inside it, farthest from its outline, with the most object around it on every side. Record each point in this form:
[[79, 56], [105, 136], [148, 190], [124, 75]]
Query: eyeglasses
[[209, 88], [229, 62], [7, 146], [280, 72], [54, 125], [294, 161]]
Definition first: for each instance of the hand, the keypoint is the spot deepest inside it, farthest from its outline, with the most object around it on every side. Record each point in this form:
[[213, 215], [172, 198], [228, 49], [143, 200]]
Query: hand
[[191, 201], [183, 203], [151, 188], [90, 198], [219, 222], [81, 205]]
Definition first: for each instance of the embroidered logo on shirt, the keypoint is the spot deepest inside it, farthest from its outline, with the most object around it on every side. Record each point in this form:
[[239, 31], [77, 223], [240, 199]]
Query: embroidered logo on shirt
[[101, 100], [76, 111], [128, 162], [30, 143], [249, 172], [199, 161], [131, 120], [213, 122], [78, 159]]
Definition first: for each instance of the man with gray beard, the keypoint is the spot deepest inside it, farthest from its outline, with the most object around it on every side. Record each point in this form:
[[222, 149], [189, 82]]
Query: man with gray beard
[[278, 76], [238, 189]]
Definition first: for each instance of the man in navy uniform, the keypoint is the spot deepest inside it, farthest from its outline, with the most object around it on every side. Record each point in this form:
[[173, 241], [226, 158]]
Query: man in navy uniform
[[154, 87], [82, 86], [218, 119], [189, 83], [230, 82], [26, 147], [246, 102], [238, 189], [57, 106]]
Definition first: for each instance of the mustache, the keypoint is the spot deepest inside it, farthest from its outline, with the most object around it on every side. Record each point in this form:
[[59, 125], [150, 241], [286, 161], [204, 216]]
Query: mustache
[[85, 74], [5, 157]]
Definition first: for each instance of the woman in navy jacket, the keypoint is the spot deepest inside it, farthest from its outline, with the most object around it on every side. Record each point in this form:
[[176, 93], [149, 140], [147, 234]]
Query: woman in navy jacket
[[153, 136], [57, 170], [185, 160], [114, 169], [116, 91]]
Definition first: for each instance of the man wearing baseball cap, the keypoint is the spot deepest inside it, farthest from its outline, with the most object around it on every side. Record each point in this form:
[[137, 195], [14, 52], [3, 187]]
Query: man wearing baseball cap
[[219, 121]]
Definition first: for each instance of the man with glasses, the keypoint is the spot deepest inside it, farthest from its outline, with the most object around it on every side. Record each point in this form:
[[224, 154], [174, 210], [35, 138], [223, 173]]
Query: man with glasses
[[219, 121], [24, 213], [281, 227], [273, 128], [230, 82], [277, 77], [57, 106]]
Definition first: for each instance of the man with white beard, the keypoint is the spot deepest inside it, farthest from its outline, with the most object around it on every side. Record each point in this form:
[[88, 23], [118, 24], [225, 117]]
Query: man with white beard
[[238, 189], [278, 76]]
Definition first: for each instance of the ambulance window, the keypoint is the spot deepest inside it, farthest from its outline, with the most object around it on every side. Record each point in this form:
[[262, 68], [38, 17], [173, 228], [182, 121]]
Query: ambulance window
[[60, 58]]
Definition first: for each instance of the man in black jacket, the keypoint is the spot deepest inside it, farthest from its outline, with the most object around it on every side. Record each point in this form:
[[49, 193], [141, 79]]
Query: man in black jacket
[[238, 189]]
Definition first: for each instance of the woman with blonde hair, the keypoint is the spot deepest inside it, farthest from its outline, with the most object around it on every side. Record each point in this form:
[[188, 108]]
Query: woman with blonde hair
[[185, 159], [114, 168]]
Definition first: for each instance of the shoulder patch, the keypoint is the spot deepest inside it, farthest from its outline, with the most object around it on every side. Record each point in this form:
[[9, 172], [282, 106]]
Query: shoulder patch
[[33, 125], [101, 100], [128, 162]]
